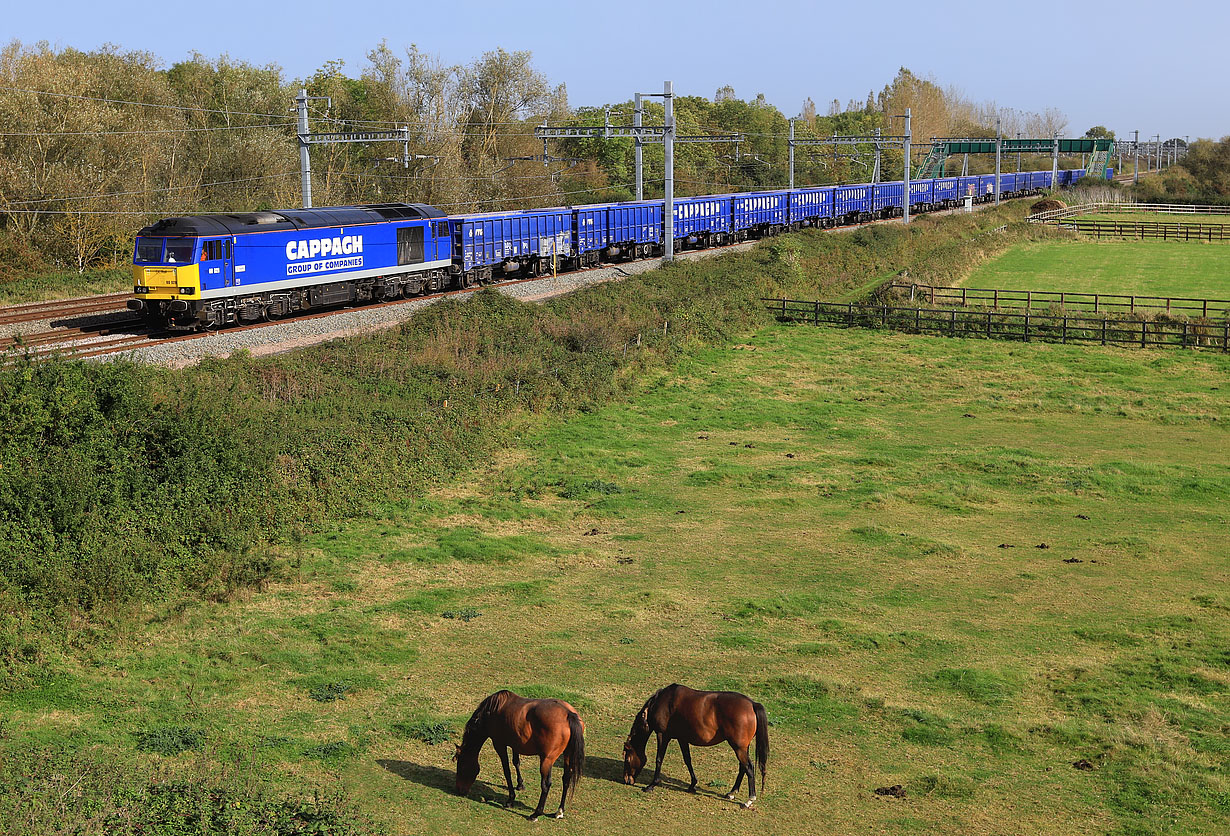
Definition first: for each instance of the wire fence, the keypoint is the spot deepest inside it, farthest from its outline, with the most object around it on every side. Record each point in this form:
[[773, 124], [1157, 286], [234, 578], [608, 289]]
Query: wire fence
[[1007, 325]]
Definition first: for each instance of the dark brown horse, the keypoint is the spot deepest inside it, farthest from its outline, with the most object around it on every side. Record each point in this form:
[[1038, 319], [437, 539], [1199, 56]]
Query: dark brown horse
[[551, 729], [699, 718]]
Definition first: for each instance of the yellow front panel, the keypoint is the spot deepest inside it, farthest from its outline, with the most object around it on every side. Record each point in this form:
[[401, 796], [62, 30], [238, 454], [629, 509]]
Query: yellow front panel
[[167, 282]]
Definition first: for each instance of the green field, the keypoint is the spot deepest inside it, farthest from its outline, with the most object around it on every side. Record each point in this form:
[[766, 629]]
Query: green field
[[1145, 268], [957, 566]]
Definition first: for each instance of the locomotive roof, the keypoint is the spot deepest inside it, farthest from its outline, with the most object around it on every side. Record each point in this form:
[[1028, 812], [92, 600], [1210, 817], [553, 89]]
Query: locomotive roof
[[231, 224]]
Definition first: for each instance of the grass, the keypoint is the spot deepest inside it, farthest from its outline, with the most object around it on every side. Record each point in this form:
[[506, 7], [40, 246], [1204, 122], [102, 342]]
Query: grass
[[46, 286], [1143, 268], [847, 525]]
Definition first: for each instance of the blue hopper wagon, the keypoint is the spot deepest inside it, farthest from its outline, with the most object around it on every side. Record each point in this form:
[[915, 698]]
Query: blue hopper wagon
[[811, 207], [507, 244], [703, 221], [759, 213]]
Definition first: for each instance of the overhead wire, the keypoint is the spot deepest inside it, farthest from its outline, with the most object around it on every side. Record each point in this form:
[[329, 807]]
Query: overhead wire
[[149, 191]]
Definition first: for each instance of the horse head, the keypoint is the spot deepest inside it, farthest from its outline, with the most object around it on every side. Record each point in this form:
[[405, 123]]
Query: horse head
[[467, 769], [634, 760], [634, 746]]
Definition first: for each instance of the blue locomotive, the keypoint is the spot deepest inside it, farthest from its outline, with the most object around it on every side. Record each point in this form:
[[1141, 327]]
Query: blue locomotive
[[208, 271]]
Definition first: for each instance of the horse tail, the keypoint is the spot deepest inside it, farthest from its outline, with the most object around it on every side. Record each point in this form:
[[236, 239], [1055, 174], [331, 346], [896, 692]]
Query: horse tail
[[762, 740], [575, 752]]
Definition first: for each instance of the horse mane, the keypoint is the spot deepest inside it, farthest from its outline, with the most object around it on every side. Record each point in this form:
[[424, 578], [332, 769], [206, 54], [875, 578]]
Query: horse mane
[[488, 706], [642, 718]]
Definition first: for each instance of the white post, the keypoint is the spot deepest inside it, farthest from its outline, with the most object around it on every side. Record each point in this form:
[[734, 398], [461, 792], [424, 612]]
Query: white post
[[999, 142], [905, 197], [791, 153], [668, 247], [1055, 161], [305, 159], [1136, 168], [636, 123]]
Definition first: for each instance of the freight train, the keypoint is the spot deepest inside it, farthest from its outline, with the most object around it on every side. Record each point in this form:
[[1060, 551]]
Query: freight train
[[209, 271]]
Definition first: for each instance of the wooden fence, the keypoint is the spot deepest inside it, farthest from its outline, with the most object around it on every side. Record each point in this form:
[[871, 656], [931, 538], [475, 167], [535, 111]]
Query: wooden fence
[[1002, 325], [1052, 215], [996, 298], [1148, 230]]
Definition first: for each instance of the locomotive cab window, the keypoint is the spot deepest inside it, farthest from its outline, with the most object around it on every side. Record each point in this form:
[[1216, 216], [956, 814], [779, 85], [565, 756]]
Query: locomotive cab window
[[179, 252], [211, 250], [410, 245], [149, 250]]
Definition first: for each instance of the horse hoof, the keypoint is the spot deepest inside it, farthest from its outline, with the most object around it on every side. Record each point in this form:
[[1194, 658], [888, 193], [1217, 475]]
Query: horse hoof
[[533, 817], [648, 788], [520, 787], [559, 814], [730, 796], [692, 789], [747, 805]]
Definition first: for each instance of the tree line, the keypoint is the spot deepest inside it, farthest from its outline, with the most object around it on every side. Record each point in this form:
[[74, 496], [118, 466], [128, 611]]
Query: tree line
[[96, 144]]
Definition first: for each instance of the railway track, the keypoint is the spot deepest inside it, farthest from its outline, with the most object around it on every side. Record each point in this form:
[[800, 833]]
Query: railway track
[[63, 308], [102, 339]]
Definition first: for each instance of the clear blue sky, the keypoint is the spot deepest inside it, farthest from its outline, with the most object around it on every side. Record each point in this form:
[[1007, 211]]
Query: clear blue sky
[[1152, 66]]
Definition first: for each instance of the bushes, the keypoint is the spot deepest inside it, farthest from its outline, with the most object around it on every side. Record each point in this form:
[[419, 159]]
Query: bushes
[[120, 482], [110, 492], [47, 790]]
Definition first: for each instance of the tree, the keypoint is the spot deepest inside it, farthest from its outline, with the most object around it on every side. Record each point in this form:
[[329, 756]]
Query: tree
[[1209, 164], [1099, 132]]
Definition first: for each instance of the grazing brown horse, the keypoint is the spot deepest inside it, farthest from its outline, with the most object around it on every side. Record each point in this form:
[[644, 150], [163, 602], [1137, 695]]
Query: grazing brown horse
[[551, 729], [699, 718]]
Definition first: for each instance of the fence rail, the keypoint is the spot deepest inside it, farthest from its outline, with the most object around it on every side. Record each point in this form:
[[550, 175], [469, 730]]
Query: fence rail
[[1144, 230], [1052, 215], [1002, 325], [997, 298]]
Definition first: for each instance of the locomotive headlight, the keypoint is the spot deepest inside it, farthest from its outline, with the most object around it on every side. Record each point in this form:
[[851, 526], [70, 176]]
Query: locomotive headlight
[[140, 289], [187, 291]]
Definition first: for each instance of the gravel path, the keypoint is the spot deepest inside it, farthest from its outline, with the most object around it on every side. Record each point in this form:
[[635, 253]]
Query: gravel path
[[293, 334]]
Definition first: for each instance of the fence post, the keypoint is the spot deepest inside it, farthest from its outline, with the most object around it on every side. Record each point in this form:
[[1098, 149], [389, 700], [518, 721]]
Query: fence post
[[1132, 303], [1095, 303], [783, 307], [952, 323], [988, 325], [1029, 299], [816, 314], [884, 316], [1143, 325], [1225, 338], [918, 320], [850, 313], [1184, 335], [1205, 311], [1062, 298], [1103, 330], [996, 303], [963, 297], [1026, 325], [1065, 329]]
